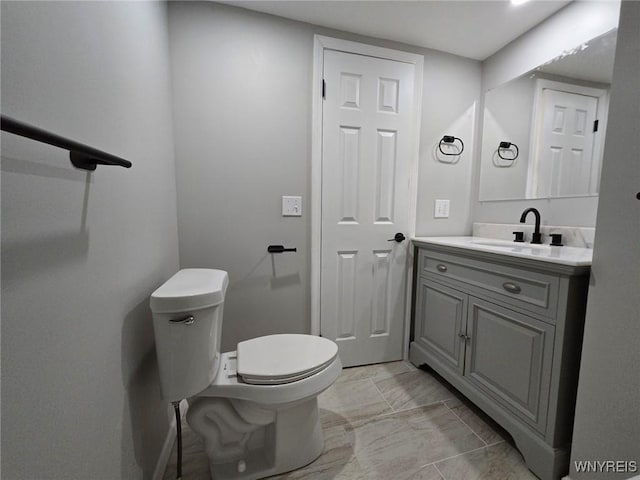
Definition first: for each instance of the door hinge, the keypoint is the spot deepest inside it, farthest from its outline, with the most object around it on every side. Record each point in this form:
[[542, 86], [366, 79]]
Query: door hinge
[[324, 89], [595, 125]]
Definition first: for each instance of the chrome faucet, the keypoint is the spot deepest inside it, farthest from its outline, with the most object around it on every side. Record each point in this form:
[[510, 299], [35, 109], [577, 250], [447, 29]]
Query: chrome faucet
[[537, 237]]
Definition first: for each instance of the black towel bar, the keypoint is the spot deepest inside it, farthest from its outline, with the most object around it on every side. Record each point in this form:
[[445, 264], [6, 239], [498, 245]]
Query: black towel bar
[[82, 156]]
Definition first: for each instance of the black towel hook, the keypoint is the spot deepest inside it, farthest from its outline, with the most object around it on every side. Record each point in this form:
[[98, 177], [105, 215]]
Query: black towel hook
[[507, 146], [450, 139]]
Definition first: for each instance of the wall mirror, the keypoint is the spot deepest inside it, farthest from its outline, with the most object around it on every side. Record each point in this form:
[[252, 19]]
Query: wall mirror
[[543, 132]]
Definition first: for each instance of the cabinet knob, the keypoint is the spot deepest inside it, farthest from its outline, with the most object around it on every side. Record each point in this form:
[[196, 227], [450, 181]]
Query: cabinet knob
[[441, 267], [511, 287]]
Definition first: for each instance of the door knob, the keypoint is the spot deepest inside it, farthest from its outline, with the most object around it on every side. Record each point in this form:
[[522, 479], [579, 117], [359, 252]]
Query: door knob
[[398, 237]]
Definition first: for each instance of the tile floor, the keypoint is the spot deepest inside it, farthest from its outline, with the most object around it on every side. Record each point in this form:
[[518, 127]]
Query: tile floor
[[393, 421]]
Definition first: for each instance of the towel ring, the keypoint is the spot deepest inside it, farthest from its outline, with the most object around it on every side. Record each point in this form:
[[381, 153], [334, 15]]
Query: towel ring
[[450, 139], [507, 146]]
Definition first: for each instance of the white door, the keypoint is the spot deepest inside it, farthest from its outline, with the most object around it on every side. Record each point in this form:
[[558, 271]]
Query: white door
[[565, 160], [366, 149]]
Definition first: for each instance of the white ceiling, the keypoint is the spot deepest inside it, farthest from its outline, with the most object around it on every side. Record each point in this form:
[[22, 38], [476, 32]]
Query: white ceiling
[[470, 28]]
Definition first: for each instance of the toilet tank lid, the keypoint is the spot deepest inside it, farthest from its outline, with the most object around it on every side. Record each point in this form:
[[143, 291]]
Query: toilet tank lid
[[190, 289]]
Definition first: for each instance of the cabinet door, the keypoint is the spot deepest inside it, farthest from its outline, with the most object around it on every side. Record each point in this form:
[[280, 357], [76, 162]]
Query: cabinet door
[[440, 319], [508, 357]]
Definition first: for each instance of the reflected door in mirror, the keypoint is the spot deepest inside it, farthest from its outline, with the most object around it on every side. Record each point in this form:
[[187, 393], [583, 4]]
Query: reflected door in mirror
[[564, 161]]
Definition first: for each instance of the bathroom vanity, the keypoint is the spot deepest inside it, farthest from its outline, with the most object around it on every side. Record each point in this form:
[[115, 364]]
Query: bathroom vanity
[[503, 323]]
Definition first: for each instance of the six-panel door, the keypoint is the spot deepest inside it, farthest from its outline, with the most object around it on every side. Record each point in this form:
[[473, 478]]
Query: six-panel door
[[366, 152]]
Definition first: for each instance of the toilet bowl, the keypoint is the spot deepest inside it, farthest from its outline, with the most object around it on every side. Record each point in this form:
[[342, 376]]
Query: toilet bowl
[[255, 408]]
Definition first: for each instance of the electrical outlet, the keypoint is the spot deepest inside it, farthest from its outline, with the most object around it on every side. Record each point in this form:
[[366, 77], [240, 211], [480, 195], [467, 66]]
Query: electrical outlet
[[441, 209], [291, 206]]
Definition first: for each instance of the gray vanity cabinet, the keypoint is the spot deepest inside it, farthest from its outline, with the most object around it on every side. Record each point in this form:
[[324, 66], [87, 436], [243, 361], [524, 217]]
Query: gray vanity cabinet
[[507, 333]]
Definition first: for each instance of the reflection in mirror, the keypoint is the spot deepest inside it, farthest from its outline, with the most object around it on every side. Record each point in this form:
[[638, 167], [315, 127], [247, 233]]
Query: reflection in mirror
[[556, 115]]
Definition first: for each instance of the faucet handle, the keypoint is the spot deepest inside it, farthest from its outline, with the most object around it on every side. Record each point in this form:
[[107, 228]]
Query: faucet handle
[[519, 237], [556, 239]]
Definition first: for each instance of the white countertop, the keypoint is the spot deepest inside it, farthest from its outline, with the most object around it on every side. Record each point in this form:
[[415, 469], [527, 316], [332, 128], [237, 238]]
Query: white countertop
[[573, 256]]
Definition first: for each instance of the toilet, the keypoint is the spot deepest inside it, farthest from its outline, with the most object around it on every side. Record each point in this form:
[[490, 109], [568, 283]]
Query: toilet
[[256, 408]]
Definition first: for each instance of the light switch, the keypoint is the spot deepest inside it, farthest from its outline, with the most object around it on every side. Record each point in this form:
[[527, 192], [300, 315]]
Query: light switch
[[291, 206], [441, 209]]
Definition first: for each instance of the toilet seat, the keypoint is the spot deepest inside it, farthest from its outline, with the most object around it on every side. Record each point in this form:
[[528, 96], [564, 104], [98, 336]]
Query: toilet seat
[[284, 358]]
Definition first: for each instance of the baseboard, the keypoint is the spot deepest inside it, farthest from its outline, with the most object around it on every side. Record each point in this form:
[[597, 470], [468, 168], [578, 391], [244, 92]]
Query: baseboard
[[165, 453]]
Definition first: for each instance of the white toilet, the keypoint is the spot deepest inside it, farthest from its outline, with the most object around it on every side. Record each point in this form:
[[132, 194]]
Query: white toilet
[[256, 408]]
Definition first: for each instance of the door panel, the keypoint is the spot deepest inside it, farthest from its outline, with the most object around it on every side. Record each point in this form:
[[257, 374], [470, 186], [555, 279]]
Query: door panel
[[367, 131], [350, 162], [385, 177], [379, 313], [346, 283], [508, 356]]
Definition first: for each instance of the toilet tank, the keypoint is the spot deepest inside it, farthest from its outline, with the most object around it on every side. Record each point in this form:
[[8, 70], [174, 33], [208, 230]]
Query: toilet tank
[[187, 322]]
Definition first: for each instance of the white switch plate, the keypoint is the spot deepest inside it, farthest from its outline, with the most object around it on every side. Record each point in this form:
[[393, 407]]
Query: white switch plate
[[441, 209], [291, 206]]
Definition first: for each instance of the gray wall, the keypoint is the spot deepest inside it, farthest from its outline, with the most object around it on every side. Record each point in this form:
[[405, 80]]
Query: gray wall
[[607, 422], [507, 117], [450, 96], [569, 27], [82, 252], [242, 119]]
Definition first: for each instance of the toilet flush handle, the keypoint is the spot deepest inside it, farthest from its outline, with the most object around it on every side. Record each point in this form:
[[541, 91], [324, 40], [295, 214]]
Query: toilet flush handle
[[188, 320]]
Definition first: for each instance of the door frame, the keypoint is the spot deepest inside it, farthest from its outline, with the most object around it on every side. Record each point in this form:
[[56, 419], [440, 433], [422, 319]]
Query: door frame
[[320, 44]]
